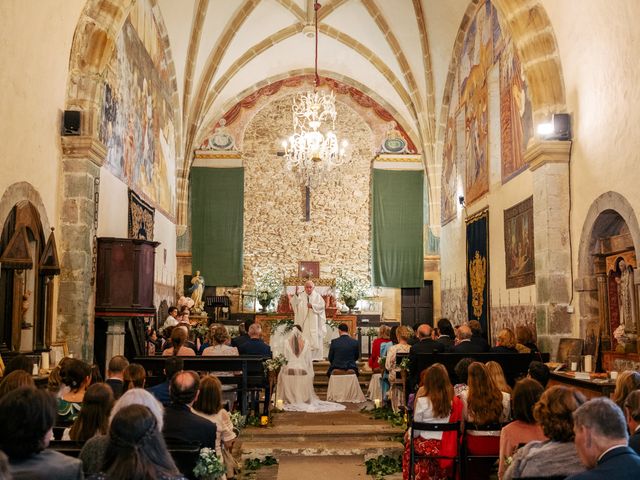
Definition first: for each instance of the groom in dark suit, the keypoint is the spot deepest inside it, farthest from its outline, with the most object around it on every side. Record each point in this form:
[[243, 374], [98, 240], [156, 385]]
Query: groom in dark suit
[[343, 352]]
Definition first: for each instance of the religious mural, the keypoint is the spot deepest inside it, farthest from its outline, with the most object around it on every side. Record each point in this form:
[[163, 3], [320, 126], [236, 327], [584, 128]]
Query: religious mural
[[518, 243], [137, 116], [485, 46]]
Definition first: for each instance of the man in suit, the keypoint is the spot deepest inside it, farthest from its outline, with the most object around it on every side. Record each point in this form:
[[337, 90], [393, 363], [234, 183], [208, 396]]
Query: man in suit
[[27, 416], [244, 337], [343, 352], [601, 441], [115, 374], [172, 365], [425, 345], [447, 334], [255, 345], [477, 338], [180, 423], [464, 344]]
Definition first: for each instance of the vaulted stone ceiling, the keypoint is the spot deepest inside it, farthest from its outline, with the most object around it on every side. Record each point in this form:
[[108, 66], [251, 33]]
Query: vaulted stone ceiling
[[398, 51]]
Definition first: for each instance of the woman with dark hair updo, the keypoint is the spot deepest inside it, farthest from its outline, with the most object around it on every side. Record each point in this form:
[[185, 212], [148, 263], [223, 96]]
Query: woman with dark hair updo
[[558, 455], [524, 428], [136, 449], [93, 419], [76, 375]]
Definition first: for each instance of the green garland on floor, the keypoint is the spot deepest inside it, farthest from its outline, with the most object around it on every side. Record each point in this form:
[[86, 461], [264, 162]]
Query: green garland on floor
[[383, 465], [256, 463], [386, 413]]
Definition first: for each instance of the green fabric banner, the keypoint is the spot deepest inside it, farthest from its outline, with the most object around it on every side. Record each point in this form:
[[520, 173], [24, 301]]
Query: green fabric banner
[[217, 206], [396, 245]]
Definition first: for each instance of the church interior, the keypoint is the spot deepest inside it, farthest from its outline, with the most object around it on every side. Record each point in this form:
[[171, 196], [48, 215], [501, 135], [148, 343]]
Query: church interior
[[160, 153]]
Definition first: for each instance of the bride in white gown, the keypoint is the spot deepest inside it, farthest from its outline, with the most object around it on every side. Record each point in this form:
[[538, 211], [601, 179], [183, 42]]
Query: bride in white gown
[[295, 381]]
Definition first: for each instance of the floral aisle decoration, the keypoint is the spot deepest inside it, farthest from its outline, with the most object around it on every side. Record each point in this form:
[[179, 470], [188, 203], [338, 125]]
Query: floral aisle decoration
[[209, 466], [350, 288], [268, 284], [272, 367]]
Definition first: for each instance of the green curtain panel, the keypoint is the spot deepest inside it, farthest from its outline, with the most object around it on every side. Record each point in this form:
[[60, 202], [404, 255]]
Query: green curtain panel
[[396, 246], [217, 205]]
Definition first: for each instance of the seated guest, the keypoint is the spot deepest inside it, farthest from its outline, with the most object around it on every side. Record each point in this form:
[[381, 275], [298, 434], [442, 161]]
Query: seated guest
[[477, 338], [506, 342], [153, 343], [244, 336], [447, 335], [115, 374], [601, 441], [425, 344], [343, 352], [462, 374], [178, 345], [183, 317], [136, 448], [180, 423], [525, 341], [627, 382], [556, 456], [464, 343], [209, 405], [392, 370], [94, 449], [435, 403], [135, 376], [172, 318], [219, 340], [19, 362], [255, 345], [16, 379], [93, 419], [27, 416], [484, 404], [539, 372], [172, 365], [632, 412], [76, 375], [524, 428], [383, 337], [497, 375]]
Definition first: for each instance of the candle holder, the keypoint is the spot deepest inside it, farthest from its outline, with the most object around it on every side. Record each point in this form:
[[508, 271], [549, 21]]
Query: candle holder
[[264, 421]]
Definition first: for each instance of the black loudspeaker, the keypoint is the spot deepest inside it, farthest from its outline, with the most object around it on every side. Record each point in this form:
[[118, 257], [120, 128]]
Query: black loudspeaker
[[561, 126], [71, 122]]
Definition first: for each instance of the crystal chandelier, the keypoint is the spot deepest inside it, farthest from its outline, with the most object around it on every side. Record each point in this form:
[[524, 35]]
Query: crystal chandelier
[[313, 148]]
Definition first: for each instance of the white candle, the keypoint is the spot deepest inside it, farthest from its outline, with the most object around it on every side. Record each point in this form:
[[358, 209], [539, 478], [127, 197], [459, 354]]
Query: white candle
[[279, 404], [45, 360], [35, 370], [588, 363], [574, 366], [376, 402]]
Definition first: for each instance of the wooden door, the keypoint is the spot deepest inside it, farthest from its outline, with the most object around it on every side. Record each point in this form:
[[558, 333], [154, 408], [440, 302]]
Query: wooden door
[[417, 305]]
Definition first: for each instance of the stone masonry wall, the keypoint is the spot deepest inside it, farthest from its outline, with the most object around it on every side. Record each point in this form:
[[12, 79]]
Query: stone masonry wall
[[275, 232]]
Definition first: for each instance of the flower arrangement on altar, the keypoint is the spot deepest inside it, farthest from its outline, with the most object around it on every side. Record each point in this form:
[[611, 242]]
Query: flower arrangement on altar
[[268, 283], [351, 288], [209, 465]]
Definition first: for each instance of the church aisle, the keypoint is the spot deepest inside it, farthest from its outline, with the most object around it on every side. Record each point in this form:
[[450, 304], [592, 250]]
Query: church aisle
[[336, 442]]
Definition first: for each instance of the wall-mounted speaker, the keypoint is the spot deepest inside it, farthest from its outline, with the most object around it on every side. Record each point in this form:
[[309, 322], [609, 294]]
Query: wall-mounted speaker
[[71, 122]]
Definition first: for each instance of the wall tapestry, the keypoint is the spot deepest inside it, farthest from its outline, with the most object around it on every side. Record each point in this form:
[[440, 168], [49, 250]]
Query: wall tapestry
[[141, 218], [478, 270], [137, 116], [518, 245]]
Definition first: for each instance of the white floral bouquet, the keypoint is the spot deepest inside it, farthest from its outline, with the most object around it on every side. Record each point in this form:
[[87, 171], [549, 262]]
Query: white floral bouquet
[[209, 466], [274, 364], [349, 286], [268, 284], [239, 421]]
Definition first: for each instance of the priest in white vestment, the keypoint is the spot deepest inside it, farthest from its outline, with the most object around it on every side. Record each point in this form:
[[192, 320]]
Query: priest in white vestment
[[308, 309]]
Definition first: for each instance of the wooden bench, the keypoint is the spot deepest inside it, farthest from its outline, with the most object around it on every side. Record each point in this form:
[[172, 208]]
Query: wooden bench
[[251, 378], [514, 365]]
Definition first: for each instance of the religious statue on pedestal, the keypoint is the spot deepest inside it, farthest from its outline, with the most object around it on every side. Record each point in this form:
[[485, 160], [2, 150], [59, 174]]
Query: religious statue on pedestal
[[196, 290]]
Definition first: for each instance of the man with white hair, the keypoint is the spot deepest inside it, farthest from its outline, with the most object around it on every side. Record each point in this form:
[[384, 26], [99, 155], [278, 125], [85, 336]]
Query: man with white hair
[[601, 441], [308, 309]]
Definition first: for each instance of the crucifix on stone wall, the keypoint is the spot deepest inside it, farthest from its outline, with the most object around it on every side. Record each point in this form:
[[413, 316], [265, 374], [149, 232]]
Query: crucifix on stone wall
[[306, 189]]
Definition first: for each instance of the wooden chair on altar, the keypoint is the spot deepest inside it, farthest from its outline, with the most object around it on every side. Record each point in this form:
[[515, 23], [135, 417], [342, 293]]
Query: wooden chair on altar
[[344, 387]]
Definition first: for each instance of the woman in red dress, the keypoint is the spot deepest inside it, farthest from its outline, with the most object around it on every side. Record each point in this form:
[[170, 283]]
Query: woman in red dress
[[383, 337]]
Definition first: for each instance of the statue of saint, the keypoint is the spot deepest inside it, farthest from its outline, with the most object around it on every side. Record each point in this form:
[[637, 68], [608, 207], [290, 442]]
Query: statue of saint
[[196, 290], [625, 295]]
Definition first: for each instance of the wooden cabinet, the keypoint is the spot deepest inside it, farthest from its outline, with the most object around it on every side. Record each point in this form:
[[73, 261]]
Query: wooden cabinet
[[125, 275]]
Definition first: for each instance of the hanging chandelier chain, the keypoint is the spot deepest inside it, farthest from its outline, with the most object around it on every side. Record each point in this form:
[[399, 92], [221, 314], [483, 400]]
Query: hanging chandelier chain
[[316, 7]]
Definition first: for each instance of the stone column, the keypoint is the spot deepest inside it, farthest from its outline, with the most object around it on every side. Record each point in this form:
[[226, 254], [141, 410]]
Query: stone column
[[549, 164], [81, 161], [603, 303]]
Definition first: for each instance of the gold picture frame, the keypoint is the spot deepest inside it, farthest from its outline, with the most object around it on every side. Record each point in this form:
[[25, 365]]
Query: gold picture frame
[[58, 351]]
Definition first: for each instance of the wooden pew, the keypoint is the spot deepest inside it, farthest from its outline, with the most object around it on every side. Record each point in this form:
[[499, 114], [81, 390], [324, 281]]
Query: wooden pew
[[252, 374]]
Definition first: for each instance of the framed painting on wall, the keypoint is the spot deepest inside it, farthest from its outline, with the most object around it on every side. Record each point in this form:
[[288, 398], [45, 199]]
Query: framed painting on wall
[[58, 350], [308, 269], [518, 245]]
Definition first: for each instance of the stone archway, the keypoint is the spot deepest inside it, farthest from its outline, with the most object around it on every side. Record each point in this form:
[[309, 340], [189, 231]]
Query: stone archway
[[610, 214]]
